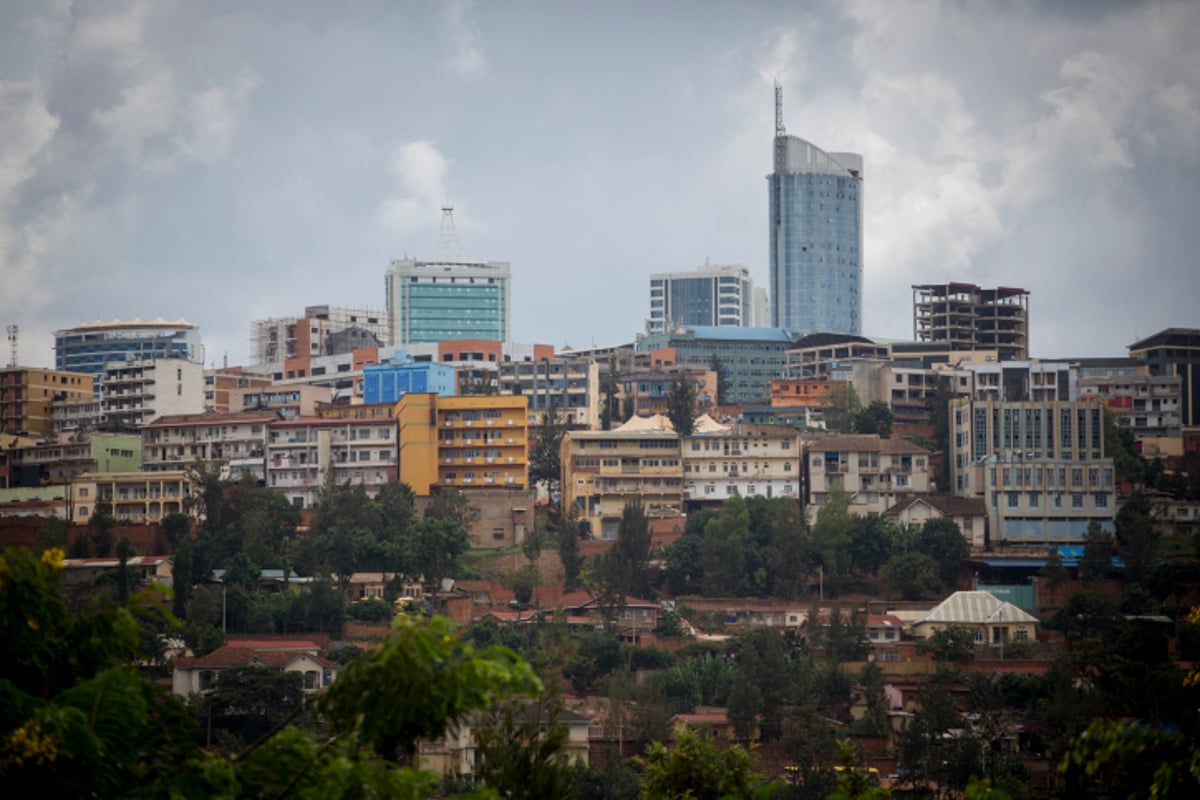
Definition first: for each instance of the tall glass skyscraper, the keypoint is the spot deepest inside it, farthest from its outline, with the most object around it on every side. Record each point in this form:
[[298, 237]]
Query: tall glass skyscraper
[[816, 235]]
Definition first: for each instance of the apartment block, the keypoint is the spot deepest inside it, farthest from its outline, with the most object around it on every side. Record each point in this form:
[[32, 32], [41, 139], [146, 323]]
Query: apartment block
[[1040, 467], [463, 442], [815, 355], [323, 331], [28, 395], [233, 443], [572, 388], [743, 460], [1014, 381], [300, 452], [969, 317], [719, 295], [1147, 405], [603, 470], [1175, 352], [132, 497], [751, 357], [136, 392], [388, 382], [220, 386], [648, 393], [60, 458], [875, 472], [289, 402]]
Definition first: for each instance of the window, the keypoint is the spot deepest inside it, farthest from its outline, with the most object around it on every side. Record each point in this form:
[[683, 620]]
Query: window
[[1077, 500], [1021, 635], [1014, 499], [1101, 499], [1033, 499]]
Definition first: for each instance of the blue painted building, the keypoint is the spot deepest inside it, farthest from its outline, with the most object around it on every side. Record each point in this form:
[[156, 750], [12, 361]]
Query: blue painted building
[[387, 383]]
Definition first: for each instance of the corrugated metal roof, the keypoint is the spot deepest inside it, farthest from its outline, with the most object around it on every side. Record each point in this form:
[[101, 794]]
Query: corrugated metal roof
[[975, 608]]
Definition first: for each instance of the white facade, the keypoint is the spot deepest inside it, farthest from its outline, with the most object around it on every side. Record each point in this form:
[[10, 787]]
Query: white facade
[[301, 451], [137, 392], [873, 471], [175, 442], [745, 460], [722, 294]]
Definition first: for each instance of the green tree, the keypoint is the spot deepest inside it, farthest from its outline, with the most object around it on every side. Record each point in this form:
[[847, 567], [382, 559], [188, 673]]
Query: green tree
[[54, 532], [681, 406], [438, 544], [697, 769], [939, 417], [568, 553], [912, 575], [722, 550], [247, 702], [875, 418], [831, 539], [100, 530], [610, 387], [423, 679], [1098, 551], [522, 750], [870, 543], [840, 408], [953, 643], [718, 367], [1053, 572], [942, 539], [624, 569], [1137, 537], [1134, 759], [545, 452]]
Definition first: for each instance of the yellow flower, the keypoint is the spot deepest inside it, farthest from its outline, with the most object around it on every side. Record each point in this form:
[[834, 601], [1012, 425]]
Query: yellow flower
[[53, 558], [447, 639]]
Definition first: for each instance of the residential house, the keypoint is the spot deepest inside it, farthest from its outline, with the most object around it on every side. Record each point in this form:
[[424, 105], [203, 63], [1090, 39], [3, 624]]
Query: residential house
[[196, 675], [746, 460], [993, 620], [968, 513]]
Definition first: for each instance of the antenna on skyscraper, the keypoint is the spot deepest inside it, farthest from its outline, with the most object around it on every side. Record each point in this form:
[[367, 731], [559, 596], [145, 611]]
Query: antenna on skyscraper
[[12, 345]]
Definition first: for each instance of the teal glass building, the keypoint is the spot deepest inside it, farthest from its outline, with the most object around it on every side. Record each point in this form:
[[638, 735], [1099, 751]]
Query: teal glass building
[[448, 295], [816, 235]]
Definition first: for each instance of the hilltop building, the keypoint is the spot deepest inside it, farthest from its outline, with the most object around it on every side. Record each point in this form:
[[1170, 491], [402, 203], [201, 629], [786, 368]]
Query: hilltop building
[[1175, 351], [91, 347], [322, 331], [969, 317], [722, 294], [448, 295], [28, 394], [816, 235]]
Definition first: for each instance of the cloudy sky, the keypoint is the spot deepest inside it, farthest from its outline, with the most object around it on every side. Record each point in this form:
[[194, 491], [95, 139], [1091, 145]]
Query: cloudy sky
[[229, 161]]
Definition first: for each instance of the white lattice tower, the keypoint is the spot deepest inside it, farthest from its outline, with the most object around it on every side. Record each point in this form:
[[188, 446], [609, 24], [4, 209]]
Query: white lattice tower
[[13, 331], [448, 250]]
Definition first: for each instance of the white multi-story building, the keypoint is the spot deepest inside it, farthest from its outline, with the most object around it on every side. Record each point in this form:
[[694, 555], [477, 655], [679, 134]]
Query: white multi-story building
[[301, 451], [137, 392], [1148, 405], [1015, 381], [875, 472], [233, 442], [745, 460], [719, 295]]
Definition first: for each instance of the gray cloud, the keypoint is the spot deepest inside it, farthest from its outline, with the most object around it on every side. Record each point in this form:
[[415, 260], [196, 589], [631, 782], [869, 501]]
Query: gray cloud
[[227, 163]]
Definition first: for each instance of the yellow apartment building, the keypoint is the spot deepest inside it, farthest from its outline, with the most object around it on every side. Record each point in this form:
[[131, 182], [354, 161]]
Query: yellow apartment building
[[27, 394], [477, 441], [134, 497], [602, 470]]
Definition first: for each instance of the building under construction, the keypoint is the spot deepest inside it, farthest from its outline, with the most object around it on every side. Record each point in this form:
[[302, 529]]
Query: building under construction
[[969, 317], [322, 331]]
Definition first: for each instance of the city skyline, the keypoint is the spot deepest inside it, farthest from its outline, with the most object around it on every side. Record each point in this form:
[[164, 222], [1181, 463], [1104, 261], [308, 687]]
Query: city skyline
[[228, 164]]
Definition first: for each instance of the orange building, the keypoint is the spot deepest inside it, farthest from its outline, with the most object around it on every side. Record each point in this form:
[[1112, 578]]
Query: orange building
[[27, 393], [479, 441], [796, 392]]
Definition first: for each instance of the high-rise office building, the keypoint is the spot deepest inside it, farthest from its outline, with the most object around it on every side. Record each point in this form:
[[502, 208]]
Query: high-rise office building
[[718, 295], [816, 233], [90, 347], [448, 295]]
